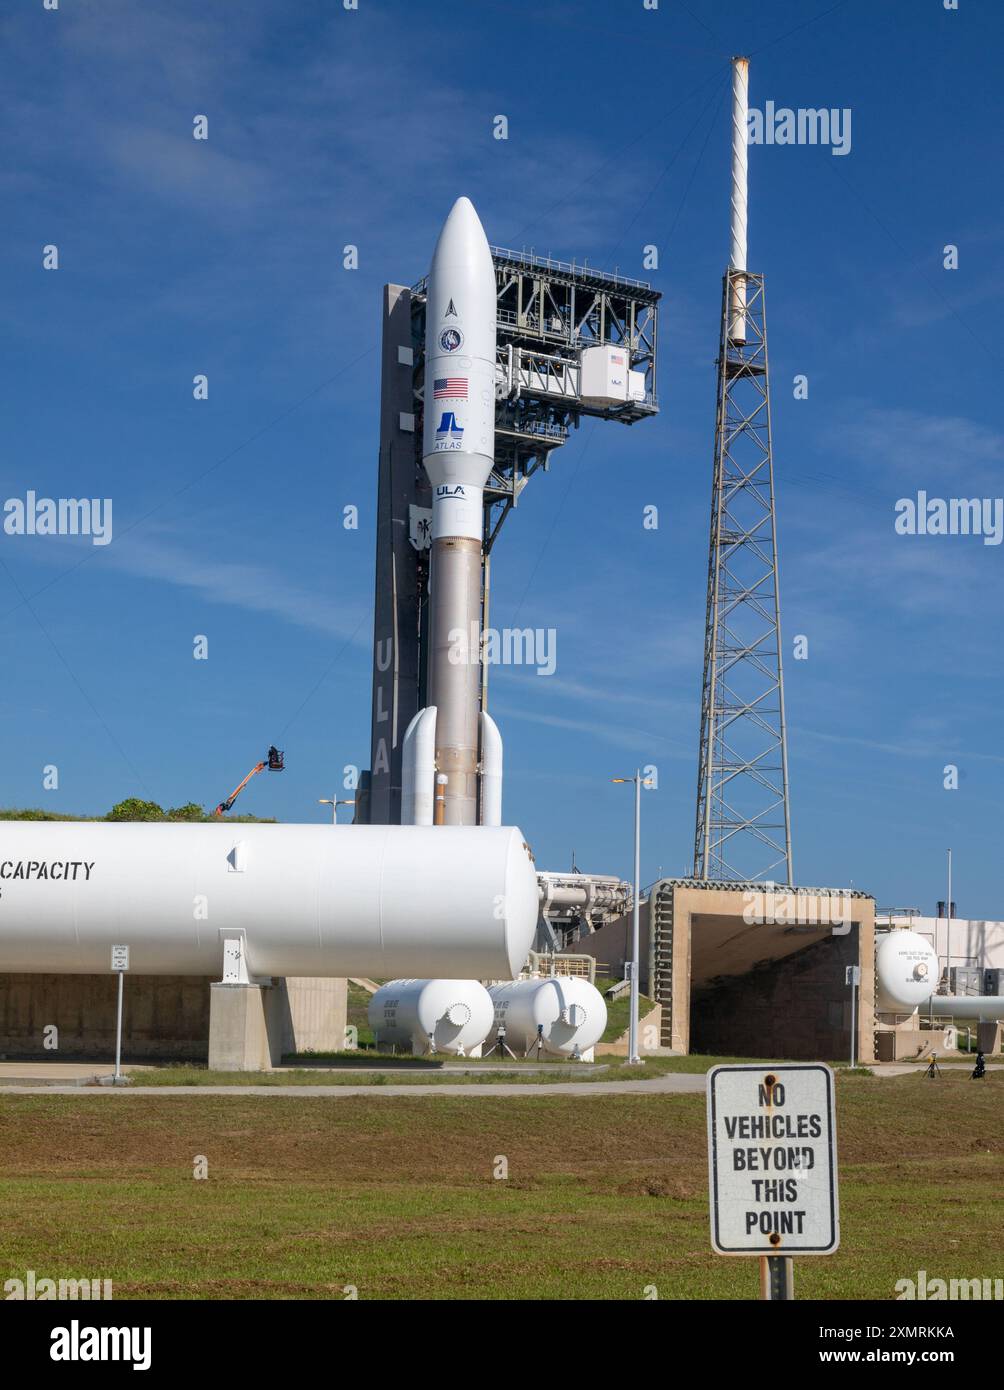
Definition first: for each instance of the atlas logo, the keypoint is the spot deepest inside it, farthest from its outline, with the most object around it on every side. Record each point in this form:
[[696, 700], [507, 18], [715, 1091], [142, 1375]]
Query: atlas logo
[[450, 434]]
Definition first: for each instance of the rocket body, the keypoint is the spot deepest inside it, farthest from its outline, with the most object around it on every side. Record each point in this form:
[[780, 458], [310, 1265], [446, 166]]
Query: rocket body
[[458, 444], [458, 451]]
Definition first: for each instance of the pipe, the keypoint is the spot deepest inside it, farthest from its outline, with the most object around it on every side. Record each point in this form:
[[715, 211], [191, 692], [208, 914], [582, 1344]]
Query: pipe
[[966, 1005], [737, 252], [491, 771]]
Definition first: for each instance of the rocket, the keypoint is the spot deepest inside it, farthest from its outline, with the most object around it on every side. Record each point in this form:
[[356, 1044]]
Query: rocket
[[443, 779]]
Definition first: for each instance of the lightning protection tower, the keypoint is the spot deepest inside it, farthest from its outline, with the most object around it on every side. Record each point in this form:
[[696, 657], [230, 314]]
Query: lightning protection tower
[[743, 827]]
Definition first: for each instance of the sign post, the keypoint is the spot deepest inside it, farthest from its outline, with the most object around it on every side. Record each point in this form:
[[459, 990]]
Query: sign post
[[772, 1166], [853, 978], [120, 964]]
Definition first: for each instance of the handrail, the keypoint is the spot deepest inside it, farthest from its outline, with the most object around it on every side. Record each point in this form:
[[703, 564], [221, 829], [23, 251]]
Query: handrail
[[565, 267]]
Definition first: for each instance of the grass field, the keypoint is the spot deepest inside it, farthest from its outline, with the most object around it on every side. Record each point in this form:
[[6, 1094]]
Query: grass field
[[406, 1072], [400, 1072], [619, 1010], [605, 1195]]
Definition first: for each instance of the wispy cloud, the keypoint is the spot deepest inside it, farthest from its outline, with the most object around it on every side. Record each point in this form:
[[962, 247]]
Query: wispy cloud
[[256, 588], [640, 741], [926, 747], [563, 688], [919, 446], [253, 587]]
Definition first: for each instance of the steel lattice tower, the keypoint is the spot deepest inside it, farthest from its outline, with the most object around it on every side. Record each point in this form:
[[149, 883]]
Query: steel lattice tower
[[743, 827]]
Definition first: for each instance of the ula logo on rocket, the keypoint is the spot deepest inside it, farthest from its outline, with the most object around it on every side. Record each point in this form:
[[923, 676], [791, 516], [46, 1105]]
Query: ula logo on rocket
[[450, 434]]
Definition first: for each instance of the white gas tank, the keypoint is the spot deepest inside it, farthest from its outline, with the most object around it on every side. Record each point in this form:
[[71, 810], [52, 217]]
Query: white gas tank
[[432, 1016], [321, 900], [906, 972], [565, 1011]]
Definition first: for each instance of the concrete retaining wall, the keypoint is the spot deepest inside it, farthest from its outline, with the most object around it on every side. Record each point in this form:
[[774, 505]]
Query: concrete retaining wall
[[165, 1017]]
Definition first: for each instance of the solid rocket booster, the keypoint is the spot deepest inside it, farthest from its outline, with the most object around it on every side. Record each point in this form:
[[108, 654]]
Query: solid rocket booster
[[458, 451]]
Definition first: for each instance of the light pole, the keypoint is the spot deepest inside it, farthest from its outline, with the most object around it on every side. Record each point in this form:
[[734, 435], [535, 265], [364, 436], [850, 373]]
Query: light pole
[[948, 935], [328, 801], [639, 782]]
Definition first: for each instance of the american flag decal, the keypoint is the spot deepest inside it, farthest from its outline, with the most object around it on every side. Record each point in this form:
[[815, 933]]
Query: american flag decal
[[451, 387]]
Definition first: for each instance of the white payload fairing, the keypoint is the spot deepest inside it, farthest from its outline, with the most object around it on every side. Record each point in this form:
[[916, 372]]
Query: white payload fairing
[[443, 779]]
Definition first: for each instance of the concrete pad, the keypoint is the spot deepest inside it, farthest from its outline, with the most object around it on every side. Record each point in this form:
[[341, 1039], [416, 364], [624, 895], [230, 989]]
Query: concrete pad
[[54, 1071], [919, 1068]]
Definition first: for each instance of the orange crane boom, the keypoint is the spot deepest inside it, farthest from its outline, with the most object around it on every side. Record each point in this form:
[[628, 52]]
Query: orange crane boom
[[273, 760]]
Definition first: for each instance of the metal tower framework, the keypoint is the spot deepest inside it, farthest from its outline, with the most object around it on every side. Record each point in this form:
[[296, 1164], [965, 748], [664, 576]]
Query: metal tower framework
[[743, 827]]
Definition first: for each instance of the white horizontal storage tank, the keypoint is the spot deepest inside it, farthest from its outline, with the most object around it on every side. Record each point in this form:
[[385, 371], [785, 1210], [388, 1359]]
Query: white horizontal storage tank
[[432, 1016], [321, 900], [569, 1010], [906, 972]]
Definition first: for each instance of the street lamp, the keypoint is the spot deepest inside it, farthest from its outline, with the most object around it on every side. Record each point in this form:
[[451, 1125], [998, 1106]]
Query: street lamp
[[328, 801], [639, 782]]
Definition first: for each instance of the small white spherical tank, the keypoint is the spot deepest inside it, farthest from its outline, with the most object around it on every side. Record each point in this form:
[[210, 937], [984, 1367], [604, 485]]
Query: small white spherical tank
[[906, 972], [432, 1016], [568, 1013], [315, 900]]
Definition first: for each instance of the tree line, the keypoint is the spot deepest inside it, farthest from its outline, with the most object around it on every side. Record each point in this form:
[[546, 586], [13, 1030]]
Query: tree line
[[133, 808]]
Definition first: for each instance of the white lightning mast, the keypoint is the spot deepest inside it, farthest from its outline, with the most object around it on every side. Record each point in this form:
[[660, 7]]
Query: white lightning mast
[[743, 827]]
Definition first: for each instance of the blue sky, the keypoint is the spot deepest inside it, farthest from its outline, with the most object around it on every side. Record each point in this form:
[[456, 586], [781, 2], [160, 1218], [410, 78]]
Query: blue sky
[[329, 127]]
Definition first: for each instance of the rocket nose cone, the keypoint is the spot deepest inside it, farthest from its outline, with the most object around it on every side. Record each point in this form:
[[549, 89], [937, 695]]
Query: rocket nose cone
[[463, 210], [462, 234]]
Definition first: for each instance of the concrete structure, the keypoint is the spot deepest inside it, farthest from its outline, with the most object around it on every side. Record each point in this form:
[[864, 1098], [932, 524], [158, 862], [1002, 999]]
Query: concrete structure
[[649, 1033], [165, 1017], [245, 1029], [744, 969]]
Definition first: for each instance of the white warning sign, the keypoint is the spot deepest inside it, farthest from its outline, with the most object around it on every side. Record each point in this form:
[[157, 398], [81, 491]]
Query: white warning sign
[[772, 1160]]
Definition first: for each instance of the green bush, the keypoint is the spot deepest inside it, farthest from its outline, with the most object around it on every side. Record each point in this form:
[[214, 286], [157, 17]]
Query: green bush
[[135, 809]]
